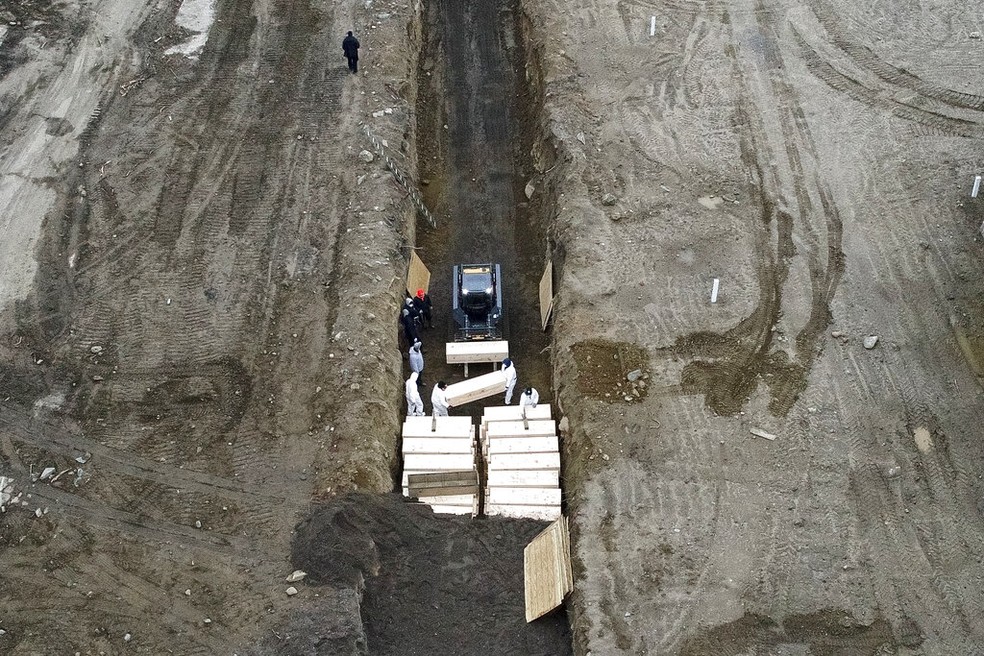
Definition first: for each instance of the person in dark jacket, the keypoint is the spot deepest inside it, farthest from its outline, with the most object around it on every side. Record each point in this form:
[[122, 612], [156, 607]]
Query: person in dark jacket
[[409, 327], [350, 46], [422, 302]]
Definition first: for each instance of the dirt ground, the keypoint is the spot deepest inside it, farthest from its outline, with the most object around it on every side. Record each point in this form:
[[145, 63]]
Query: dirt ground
[[200, 278]]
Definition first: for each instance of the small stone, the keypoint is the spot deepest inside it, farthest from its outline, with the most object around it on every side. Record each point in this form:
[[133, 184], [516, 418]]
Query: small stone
[[207, 620], [975, 35], [634, 375], [565, 425], [47, 473], [188, 592], [870, 341], [604, 456], [355, 386], [97, 378], [38, 512], [198, 523], [95, 349], [529, 190], [608, 200], [835, 333], [893, 472], [291, 591], [580, 137], [127, 637], [378, 114], [296, 575], [366, 156]]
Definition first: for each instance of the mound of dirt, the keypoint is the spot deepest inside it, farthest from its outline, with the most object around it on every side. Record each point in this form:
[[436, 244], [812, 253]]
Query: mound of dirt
[[432, 584]]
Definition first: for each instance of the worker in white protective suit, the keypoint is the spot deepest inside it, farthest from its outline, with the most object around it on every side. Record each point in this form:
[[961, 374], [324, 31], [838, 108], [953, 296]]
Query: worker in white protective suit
[[417, 361], [415, 404], [510, 372], [439, 399], [529, 398]]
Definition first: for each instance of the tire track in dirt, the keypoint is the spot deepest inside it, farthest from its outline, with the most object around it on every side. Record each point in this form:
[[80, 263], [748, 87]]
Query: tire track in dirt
[[884, 98], [867, 60]]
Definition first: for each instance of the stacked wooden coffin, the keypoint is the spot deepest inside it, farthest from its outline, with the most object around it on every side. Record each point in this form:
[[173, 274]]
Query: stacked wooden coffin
[[522, 462], [439, 463]]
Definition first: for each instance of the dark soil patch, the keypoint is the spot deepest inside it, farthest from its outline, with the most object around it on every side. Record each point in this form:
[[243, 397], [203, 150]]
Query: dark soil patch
[[603, 368], [827, 633], [433, 584]]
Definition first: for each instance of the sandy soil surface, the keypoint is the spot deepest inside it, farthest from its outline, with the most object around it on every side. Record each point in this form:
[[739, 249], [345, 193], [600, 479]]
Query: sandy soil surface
[[201, 276], [816, 158]]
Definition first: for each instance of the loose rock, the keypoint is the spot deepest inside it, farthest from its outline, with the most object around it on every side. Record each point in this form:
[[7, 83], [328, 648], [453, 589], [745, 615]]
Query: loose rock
[[608, 200], [634, 375], [870, 341], [296, 575], [291, 591], [366, 156]]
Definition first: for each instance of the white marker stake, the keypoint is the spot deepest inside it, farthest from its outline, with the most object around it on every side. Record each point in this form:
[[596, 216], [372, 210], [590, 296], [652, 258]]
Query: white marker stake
[[977, 186], [652, 26], [714, 291]]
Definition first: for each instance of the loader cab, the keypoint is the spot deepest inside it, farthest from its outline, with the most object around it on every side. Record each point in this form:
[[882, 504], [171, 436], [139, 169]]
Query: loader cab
[[477, 285], [477, 302]]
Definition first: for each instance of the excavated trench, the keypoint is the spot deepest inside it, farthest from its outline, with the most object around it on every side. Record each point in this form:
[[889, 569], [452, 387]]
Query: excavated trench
[[430, 583]]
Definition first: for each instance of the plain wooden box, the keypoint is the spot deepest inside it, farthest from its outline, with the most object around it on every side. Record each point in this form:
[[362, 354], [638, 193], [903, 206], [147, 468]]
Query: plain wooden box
[[471, 352], [476, 388]]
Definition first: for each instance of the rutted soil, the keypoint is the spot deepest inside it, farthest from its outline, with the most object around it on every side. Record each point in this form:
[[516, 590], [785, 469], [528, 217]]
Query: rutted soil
[[197, 315]]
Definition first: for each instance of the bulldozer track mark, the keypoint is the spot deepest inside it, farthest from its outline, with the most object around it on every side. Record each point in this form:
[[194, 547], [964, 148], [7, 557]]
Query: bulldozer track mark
[[867, 60], [53, 438], [108, 517], [876, 98]]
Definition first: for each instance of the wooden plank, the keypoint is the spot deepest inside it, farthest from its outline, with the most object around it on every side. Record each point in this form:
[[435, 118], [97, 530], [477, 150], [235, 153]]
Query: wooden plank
[[427, 493], [523, 496], [466, 475], [546, 294], [514, 413], [525, 461], [450, 500], [529, 478], [438, 445], [453, 478], [428, 462], [758, 432], [544, 513], [472, 352], [446, 427], [418, 277], [522, 445], [547, 569], [476, 388], [453, 510], [538, 428]]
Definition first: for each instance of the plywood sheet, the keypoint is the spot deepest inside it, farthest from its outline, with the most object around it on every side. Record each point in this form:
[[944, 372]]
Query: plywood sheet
[[537, 428], [418, 277], [476, 388], [525, 461], [514, 413], [543, 513], [424, 462], [528, 478], [547, 569], [523, 496], [438, 445], [522, 445], [471, 352], [546, 294]]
